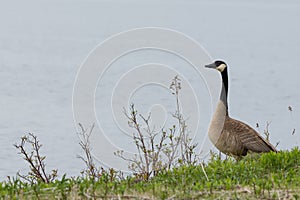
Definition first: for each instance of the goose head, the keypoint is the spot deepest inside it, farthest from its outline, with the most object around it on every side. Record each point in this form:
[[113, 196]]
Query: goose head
[[218, 65]]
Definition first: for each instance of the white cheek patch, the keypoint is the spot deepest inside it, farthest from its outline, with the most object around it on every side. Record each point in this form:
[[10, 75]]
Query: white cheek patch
[[221, 67]]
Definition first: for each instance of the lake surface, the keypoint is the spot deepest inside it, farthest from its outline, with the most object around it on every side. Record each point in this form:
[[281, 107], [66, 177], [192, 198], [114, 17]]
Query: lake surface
[[43, 44]]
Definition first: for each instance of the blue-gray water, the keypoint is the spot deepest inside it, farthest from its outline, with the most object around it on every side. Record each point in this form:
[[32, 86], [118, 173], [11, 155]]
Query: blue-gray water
[[43, 43]]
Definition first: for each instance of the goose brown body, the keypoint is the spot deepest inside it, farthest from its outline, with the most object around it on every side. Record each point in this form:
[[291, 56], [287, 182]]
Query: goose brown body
[[232, 136], [237, 138]]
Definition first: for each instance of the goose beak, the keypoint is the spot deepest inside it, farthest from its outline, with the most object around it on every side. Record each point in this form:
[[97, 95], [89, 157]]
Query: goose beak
[[212, 65]]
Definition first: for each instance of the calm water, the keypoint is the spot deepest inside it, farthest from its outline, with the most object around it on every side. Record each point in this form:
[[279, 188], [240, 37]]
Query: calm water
[[43, 43]]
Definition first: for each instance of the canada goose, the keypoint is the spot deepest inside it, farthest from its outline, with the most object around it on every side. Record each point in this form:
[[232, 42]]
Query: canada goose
[[231, 136]]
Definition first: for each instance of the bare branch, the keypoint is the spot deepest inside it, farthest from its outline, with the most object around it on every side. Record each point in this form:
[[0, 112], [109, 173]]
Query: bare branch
[[159, 150], [91, 170], [35, 160]]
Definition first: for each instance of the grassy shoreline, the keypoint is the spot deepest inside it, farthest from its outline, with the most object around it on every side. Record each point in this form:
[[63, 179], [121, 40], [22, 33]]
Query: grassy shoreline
[[267, 176]]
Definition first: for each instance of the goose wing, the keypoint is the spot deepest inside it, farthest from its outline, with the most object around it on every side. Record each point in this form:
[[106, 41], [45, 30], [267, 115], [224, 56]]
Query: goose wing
[[251, 140]]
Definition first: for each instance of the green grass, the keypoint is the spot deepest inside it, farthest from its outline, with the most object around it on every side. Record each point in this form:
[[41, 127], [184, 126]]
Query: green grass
[[266, 176]]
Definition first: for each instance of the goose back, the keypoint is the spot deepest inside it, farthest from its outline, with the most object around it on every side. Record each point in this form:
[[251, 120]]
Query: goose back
[[237, 138]]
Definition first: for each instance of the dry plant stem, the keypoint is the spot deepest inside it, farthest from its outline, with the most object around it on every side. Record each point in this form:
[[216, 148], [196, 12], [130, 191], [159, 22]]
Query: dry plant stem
[[148, 160], [202, 167], [91, 170], [139, 141], [267, 134], [186, 149], [158, 150], [266, 131], [184, 141], [153, 154], [175, 87], [39, 158], [35, 160], [28, 159], [38, 170]]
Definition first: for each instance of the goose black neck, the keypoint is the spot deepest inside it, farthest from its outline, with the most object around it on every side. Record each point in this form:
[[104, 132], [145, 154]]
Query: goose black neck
[[224, 92], [224, 74]]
